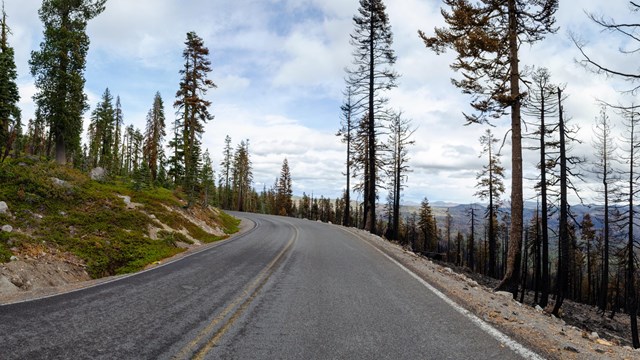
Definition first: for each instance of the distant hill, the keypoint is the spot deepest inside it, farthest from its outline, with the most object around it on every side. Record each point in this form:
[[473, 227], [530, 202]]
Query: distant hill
[[461, 216]]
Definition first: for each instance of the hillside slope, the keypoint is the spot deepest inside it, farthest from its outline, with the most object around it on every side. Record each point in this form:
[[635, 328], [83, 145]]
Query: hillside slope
[[59, 226]]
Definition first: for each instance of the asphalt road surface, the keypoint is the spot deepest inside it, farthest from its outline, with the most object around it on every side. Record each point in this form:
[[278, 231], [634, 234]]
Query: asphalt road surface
[[287, 289]]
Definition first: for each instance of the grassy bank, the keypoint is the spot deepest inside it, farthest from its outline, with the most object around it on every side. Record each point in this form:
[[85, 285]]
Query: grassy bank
[[63, 208]]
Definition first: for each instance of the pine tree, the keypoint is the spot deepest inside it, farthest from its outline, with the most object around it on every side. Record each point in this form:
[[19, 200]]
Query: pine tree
[[605, 151], [154, 135], [487, 36], [400, 133], [370, 76], [225, 174], [491, 187], [176, 160], [207, 180], [567, 170], [192, 108], [58, 68], [631, 158], [427, 226], [542, 104], [346, 136], [9, 95], [242, 176], [116, 167], [284, 202], [101, 132]]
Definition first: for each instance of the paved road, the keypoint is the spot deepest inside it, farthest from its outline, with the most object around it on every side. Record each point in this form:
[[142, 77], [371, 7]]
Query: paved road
[[288, 289]]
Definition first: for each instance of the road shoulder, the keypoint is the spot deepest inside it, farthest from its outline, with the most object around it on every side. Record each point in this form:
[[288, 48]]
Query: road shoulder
[[548, 336]]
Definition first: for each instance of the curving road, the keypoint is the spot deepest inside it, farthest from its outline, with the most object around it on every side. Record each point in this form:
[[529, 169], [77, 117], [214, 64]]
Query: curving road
[[287, 289]]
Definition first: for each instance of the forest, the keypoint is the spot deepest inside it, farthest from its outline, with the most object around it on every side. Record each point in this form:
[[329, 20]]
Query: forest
[[555, 253]]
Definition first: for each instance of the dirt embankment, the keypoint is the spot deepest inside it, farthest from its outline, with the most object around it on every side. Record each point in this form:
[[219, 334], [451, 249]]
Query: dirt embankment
[[42, 270]]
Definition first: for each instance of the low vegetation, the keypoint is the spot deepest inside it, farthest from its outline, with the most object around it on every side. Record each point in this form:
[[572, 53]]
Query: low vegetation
[[112, 227]]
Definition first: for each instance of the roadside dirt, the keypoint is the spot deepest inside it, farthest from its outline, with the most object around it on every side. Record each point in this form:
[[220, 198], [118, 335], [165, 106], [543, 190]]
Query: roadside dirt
[[582, 333]]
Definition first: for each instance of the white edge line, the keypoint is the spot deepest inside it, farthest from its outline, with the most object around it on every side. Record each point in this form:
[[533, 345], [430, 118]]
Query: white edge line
[[497, 334], [125, 276]]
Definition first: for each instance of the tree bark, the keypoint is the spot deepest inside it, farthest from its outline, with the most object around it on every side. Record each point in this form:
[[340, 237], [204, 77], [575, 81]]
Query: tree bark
[[61, 152], [370, 222], [510, 281]]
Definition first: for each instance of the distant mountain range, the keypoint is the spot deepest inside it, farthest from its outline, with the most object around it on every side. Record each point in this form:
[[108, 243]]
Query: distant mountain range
[[461, 214]]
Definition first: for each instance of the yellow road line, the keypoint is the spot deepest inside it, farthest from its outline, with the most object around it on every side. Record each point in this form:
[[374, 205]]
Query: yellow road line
[[240, 304]]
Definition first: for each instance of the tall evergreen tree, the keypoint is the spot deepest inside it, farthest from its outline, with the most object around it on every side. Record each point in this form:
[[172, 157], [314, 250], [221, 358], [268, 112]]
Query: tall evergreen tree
[[154, 135], [9, 95], [101, 132], [116, 167], [487, 36], [192, 107], [225, 174], [207, 179], [370, 76], [242, 175], [176, 160], [427, 226], [284, 201], [58, 68]]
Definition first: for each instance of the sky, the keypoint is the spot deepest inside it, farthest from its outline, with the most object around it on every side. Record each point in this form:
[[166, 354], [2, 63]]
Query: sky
[[279, 67]]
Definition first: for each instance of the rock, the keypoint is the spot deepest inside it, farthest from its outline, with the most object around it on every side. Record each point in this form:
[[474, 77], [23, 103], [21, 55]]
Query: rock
[[604, 342], [17, 281], [504, 294], [594, 336], [7, 228], [13, 258], [60, 183], [472, 283], [538, 308], [4, 208], [448, 270], [571, 348], [98, 174], [6, 286]]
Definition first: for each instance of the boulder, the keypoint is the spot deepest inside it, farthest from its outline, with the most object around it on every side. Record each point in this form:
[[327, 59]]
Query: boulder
[[4, 208], [7, 228], [98, 174], [505, 294], [60, 183]]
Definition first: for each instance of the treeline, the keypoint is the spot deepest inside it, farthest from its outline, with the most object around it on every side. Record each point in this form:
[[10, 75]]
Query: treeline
[[486, 37], [144, 157]]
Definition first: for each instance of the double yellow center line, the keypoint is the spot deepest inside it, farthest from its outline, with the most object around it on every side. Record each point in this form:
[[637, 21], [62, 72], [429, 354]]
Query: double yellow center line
[[211, 334]]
